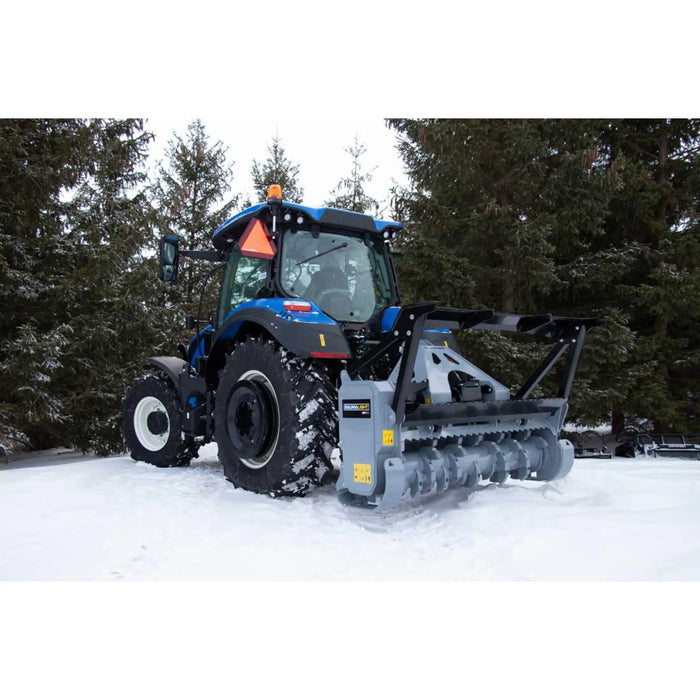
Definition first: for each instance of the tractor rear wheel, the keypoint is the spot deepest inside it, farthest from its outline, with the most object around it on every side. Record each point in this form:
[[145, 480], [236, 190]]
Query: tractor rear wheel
[[152, 424], [275, 420]]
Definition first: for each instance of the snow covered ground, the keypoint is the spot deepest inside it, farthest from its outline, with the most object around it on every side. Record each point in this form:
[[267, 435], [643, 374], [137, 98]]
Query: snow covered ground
[[67, 517]]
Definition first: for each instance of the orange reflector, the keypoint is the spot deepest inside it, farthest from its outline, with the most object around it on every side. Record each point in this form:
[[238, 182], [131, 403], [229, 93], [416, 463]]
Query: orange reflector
[[274, 192], [256, 242], [297, 305]]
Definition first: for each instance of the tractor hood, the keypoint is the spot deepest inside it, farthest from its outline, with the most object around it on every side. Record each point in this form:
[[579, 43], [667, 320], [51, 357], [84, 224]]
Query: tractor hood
[[297, 214]]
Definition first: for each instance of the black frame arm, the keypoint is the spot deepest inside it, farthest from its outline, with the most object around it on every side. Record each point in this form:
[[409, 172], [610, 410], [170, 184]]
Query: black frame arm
[[572, 340], [408, 325], [543, 325], [569, 334]]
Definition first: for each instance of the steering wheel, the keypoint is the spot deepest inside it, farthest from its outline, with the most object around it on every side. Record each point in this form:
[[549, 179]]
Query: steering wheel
[[327, 292], [334, 301]]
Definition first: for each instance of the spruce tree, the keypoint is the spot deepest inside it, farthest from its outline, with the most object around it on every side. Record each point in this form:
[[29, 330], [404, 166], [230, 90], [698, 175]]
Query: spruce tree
[[80, 305], [490, 203], [575, 217], [40, 161], [350, 191], [640, 272], [277, 169], [654, 216], [191, 199], [115, 319]]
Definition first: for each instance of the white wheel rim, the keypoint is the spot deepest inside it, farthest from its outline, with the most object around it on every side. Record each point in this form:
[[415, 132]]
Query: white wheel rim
[[151, 441], [254, 376]]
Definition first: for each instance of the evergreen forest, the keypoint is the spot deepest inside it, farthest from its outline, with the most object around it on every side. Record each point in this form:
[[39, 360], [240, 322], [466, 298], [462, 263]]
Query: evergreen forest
[[575, 217]]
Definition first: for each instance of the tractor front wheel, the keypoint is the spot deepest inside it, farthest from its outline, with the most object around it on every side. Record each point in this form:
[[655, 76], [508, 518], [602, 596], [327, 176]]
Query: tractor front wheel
[[152, 424], [275, 420]]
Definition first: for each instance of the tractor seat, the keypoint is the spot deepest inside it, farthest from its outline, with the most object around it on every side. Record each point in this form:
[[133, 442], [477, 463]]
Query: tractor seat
[[329, 290], [329, 278]]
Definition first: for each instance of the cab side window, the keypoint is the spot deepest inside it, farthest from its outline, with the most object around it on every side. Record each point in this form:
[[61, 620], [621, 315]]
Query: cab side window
[[245, 279]]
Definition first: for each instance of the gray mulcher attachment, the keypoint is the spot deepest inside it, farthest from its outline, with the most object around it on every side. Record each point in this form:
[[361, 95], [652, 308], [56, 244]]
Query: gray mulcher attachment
[[439, 422]]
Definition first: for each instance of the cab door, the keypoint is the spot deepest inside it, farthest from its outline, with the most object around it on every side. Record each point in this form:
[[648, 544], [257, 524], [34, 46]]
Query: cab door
[[245, 279]]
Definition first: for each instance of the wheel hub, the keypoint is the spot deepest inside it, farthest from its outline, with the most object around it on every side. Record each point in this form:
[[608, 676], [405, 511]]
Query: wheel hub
[[157, 422], [151, 423], [251, 421]]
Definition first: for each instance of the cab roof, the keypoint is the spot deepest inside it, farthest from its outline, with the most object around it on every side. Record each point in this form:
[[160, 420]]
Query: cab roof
[[230, 230]]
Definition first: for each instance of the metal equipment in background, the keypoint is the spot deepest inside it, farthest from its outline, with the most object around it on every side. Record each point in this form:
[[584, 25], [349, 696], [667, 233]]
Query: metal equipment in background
[[632, 442]]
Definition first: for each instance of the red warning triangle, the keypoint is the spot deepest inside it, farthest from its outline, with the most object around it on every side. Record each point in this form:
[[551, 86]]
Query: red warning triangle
[[256, 242]]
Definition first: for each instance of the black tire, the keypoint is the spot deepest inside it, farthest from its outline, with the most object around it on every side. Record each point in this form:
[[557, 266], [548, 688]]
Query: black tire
[[275, 437], [152, 424]]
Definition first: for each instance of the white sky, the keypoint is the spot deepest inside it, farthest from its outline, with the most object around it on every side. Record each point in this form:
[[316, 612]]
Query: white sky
[[320, 77], [316, 145]]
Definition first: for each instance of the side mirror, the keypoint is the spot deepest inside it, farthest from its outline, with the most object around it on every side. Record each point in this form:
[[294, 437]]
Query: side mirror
[[169, 258]]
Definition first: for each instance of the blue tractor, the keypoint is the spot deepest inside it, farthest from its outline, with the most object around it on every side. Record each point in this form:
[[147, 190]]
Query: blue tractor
[[310, 350]]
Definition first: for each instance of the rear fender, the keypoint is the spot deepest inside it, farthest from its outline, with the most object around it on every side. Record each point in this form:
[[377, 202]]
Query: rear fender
[[306, 334], [190, 388], [171, 366]]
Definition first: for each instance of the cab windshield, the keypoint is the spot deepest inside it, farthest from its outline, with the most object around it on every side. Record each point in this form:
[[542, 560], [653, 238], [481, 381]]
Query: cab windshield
[[346, 277]]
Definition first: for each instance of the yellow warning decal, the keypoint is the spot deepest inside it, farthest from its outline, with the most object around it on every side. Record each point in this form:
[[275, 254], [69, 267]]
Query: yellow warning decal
[[388, 437], [362, 473], [446, 345], [323, 340]]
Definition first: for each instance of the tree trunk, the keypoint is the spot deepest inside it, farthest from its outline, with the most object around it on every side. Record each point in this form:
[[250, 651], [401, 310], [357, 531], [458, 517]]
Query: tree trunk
[[662, 179], [618, 422]]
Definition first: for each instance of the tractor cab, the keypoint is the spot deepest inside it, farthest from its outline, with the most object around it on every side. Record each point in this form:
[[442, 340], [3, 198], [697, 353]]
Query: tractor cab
[[345, 275], [336, 261]]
